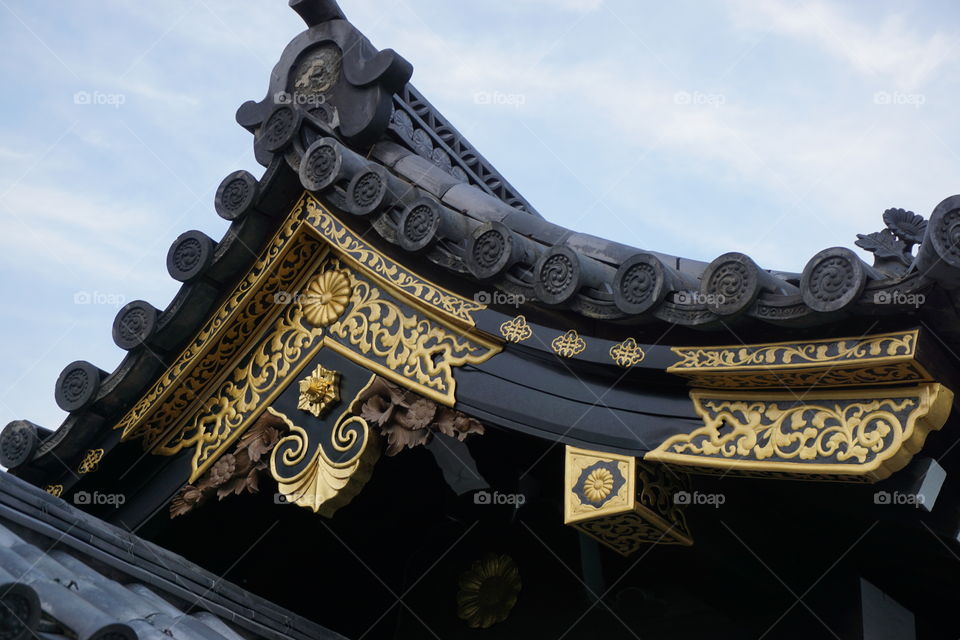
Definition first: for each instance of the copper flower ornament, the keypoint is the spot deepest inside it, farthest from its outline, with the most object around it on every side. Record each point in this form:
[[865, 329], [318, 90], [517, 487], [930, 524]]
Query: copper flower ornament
[[488, 591]]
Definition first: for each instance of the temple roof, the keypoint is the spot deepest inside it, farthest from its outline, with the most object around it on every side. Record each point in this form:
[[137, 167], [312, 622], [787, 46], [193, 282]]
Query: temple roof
[[377, 152], [88, 578]]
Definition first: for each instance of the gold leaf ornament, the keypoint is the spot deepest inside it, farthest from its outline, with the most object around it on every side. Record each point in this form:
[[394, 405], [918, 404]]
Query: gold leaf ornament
[[516, 330], [568, 344]]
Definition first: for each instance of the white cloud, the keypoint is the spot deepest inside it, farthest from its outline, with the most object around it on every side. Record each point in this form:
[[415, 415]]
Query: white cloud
[[73, 237], [842, 159], [583, 6], [890, 50], [12, 154]]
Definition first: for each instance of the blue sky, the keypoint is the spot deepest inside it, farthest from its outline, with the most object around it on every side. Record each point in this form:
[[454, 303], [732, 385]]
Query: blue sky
[[772, 127]]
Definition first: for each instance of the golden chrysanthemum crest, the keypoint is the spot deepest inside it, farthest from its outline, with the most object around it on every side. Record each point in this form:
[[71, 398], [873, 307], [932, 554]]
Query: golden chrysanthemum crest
[[326, 298], [488, 591]]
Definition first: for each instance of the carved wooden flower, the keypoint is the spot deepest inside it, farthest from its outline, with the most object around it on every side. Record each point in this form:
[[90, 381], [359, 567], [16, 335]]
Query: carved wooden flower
[[598, 485], [319, 390], [326, 298], [488, 591]]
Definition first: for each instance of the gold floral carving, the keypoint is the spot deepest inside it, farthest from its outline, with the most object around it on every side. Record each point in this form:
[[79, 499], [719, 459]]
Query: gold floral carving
[[627, 353], [568, 345], [488, 591], [866, 434], [402, 345], [623, 503], [54, 489], [583, 498], [374, 331], [878, 359], [516, 330], [326, 297], [91, 461], [321, 484], [319, 390], [598, 485]]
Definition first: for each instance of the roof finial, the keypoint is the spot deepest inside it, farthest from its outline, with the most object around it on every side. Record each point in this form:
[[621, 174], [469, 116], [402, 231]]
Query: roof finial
[[315, 12]]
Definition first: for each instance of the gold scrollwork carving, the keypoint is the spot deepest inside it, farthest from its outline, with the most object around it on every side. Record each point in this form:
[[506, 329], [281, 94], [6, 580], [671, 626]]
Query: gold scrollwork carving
[[878, 359], [91, 461], [374, 331], [402, 345], [627, 353], [625, 532], [516, 330], [252, 384], [623, 503], [883, 374], [54, 489], [254, 302], [322, 484], [860, 433], [267, 286], [568, 345]]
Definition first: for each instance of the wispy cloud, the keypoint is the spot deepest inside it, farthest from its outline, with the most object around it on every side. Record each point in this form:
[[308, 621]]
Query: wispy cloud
[[891, 49], [563, 5]]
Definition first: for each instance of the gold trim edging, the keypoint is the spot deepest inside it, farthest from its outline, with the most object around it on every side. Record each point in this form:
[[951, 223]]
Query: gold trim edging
[[888, 358]]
